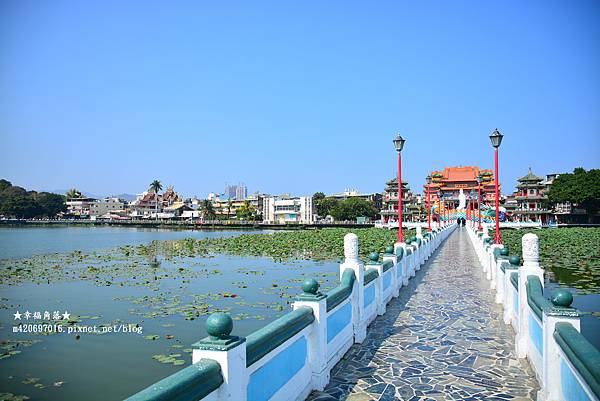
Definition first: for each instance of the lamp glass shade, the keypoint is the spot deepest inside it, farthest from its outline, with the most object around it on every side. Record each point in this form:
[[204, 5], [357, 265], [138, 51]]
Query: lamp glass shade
[[428, 179], [496, 138], [479, 179], [399, 143]]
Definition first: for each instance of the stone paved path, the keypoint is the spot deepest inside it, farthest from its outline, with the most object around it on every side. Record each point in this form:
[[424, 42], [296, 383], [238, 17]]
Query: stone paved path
[[443, 338]]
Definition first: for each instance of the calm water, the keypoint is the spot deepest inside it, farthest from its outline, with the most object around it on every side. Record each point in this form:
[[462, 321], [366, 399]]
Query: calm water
[[22, 242], [115, 365]]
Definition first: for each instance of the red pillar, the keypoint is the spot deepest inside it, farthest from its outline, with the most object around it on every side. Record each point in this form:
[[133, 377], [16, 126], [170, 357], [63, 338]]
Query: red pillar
[[400, 236], [498, 237], [428, 209]]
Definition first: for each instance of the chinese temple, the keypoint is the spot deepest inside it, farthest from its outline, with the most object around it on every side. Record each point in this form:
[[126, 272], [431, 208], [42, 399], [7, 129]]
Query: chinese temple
[[451, 180], [389, 208], [446, 185]]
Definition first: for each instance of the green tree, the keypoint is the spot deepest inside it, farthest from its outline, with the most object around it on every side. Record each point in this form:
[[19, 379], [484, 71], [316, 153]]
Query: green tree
[[352, 208], [73, 193], [580, 188], [208, 210], [50, 204], [246, 211], [4, 184], [229, 206], [322, 204], [156, 186]]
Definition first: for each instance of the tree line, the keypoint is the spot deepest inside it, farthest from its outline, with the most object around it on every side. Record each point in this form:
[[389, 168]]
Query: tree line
[[580, 188], [343, 210], [17, 202]]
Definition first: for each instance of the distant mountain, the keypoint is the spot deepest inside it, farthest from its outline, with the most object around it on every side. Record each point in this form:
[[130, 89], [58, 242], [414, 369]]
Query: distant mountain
[[64, 191], [127, 197]]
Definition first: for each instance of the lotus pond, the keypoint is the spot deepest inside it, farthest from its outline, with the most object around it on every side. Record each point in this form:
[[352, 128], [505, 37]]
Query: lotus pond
[[158, 293]]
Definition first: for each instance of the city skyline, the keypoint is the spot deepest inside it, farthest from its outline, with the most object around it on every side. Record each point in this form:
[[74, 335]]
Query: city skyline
[[177, 94]]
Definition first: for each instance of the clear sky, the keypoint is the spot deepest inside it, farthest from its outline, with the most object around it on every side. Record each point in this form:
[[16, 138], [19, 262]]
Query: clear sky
[[292, 97]]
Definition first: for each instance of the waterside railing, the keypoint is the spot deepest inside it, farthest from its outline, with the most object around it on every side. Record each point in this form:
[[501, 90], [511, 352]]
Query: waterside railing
[[566, 364], [293, 355]]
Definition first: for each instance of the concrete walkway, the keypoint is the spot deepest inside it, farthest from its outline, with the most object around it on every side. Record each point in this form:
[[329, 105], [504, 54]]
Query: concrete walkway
[[442, 339]]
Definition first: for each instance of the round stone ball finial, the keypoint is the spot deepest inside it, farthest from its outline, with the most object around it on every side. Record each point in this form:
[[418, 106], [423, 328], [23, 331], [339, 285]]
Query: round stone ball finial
[[219, 325], [373, 256], [514, 260], [504, 251], [310, 286], [389, 249], [562, 298]]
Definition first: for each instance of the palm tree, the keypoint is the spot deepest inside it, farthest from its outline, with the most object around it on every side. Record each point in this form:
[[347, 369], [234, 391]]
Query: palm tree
[[207, 209], [229, 206], [73, 193], [156, 186]]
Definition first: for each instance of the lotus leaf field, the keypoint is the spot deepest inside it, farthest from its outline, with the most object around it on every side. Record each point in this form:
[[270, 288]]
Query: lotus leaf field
[[571, 256]]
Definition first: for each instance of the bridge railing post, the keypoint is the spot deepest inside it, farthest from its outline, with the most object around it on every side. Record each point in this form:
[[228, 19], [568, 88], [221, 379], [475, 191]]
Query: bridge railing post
[[390, 257], [531, 267], [373, 263], [511, 296], [400, 251], [351, 261], [317, 339], [501, 262], [493, 253], [229, 352], [560, 312]]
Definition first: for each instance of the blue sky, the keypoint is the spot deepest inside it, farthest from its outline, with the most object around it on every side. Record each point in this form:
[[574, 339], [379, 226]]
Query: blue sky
[[292, 96]]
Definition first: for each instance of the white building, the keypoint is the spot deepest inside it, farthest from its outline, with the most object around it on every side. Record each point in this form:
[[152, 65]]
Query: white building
[[288, 210], [80, 206], [106, 205]]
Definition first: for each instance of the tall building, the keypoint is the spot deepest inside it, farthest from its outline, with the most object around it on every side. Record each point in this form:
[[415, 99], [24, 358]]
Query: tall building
[[241, 192], [237, 192]]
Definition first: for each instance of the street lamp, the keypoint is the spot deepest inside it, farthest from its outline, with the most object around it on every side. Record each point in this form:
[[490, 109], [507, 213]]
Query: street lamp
[[428, 204], [399, 144], [496, 138], [439, 194], [479, 180]]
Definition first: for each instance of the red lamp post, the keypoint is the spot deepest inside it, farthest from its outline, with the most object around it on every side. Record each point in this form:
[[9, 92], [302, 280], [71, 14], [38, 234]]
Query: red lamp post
[[439, 194], [428, 179], [496, 138], [399, 144], [479, 179]]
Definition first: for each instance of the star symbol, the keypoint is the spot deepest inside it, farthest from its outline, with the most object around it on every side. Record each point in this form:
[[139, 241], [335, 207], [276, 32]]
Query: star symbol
[[17, 316], [66, 315]]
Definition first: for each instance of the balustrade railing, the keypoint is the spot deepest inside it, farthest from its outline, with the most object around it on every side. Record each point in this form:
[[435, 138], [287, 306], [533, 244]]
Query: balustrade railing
[[293, 355]]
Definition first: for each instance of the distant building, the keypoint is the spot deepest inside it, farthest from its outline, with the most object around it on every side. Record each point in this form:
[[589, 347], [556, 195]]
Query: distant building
[[236, 192], [228, 207], [451, 180], [80, 206], [288, 209], [532, 199], [107, 205], [389, 203], [353, 193], [148, 203]]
